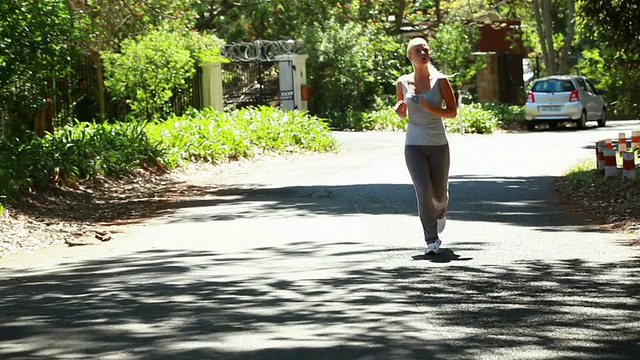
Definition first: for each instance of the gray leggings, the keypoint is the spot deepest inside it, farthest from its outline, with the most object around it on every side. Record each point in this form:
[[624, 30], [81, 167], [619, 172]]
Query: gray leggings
[[429, 170]]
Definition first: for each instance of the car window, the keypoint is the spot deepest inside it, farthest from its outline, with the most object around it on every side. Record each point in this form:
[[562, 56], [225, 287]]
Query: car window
[[581, 84], [553, 85], [590, 86]]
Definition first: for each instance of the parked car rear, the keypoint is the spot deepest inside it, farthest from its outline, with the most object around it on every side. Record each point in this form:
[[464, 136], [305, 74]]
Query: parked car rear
[[563, 98]]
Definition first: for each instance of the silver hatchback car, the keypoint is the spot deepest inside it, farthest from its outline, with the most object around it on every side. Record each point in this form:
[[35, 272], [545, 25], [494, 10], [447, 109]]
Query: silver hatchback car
[[563, 98]]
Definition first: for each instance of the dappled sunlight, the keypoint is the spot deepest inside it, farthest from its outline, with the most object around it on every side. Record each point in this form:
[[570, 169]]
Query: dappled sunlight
[[520, 201], [318, 300]]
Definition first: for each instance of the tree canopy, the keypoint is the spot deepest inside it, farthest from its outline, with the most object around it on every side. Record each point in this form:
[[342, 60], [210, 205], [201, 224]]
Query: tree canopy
[[613, 21]]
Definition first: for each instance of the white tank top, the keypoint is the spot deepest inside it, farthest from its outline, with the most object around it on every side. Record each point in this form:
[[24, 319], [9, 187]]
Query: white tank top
[[423, 127]]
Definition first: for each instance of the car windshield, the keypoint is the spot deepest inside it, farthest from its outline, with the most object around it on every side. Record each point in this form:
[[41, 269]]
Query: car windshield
[[553, 85]]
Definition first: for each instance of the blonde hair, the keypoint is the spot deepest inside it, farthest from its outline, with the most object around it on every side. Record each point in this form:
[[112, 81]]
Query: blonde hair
[[416, 41], [433, 72]]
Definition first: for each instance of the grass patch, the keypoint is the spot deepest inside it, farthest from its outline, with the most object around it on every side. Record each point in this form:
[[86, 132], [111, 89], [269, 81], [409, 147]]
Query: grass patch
[[581, 174]]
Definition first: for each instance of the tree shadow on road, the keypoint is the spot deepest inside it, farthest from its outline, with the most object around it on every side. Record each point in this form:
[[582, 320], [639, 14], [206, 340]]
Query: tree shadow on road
[[307, 300], [520, 201]]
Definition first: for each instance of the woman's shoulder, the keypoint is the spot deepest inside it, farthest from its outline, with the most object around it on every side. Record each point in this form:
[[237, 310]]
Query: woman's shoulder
[[404, 78]]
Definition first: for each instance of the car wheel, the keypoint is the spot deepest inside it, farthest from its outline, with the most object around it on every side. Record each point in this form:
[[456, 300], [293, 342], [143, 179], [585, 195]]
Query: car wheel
[[531, 126], [582, 121], [603, 118]]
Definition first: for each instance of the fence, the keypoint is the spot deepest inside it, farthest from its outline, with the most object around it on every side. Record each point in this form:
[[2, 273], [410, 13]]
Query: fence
[[75, 96], [259, 73]]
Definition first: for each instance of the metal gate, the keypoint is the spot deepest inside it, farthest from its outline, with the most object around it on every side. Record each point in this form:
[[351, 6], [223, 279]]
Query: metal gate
[[252, 83], [255, 76]]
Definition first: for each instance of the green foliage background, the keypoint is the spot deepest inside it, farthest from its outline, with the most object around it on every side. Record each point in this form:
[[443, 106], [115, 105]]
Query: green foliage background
[[350, 66]]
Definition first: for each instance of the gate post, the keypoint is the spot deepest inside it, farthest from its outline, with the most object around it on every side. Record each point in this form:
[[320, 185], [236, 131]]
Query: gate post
[[299, 73], [212, 95]]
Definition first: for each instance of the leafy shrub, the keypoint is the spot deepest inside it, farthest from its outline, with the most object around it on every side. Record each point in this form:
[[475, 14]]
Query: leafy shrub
[[150, 68], [610, 70], [74, 153], [474, 118], [452, 52], [86, 151], [384, 119], [508, 115], [213, 136]]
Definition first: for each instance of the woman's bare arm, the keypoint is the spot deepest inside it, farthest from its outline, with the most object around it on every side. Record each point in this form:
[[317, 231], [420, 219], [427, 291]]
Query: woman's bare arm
[[451, 109], [401, 107]]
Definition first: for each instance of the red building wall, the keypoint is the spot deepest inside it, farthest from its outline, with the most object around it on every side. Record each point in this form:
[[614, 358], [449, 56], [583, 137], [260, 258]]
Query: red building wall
[[505, 40]]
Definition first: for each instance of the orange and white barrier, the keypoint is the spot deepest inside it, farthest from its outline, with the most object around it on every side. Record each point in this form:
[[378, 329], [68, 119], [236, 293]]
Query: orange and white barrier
[[600, 155], [628, 165], [607, 152], [608, 143], [610, 164], [635, 139], [622, 142]]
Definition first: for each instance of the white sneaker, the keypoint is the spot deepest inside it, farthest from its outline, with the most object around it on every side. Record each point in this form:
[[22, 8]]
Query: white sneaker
[[441, 224], [433, 248]]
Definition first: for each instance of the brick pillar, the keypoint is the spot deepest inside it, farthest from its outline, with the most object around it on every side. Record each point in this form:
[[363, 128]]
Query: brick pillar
[[488, 79]]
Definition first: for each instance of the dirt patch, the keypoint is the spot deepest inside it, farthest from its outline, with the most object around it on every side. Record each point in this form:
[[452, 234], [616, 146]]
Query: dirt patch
[[612, 203], [82, 215]]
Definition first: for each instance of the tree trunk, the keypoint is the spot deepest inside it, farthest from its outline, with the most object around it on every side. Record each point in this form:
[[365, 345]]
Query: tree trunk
[[438, 13], [568, 40], [402, 4], [540, 9], [543, 45], [548, 32]]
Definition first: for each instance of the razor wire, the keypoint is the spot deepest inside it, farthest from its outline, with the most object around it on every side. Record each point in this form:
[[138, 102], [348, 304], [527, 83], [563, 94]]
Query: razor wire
[[261, 50]]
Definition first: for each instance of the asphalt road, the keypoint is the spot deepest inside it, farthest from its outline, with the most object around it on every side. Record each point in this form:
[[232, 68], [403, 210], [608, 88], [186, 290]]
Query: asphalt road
[[321, 257]]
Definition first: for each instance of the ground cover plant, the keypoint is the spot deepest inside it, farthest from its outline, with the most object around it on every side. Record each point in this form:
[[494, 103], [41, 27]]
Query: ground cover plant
[[212, 136], [85, 151]]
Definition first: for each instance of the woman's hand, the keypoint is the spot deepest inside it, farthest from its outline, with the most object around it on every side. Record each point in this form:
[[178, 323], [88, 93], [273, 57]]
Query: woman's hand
[[401, 108], [427, 106]]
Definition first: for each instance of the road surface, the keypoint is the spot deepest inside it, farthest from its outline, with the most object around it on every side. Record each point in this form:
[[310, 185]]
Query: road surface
[[321, 257]]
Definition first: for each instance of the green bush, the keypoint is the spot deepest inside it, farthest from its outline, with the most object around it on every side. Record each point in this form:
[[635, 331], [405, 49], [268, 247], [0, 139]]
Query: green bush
[[384, 119], [452, 51], [213, 136], [610, 71], [151, 68], [86, 151], [81, 151], [475, 119], [509, 116]]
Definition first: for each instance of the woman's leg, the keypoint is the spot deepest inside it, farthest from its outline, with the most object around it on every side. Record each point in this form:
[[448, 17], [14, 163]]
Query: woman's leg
[[439, 163], [417, 161]]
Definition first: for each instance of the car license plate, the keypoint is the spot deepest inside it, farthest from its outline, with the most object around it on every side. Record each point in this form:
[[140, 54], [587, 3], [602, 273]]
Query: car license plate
[[551, 108]]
